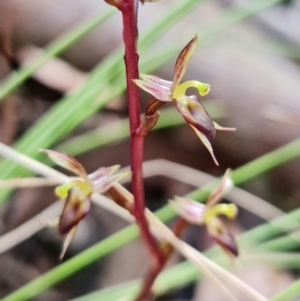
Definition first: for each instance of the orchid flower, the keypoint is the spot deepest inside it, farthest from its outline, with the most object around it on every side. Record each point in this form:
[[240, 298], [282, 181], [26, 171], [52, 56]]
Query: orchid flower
[[190, 108], [208, 215], [78, 192]]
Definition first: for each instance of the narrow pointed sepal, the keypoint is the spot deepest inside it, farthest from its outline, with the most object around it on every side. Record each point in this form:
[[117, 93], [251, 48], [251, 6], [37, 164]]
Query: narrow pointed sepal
[[66, 161], [76, 207], [102, 172], [156, 80], [67, 241], [224, 187], [206, 143], [152, 106], [183, 60], [189, 210], [148, 123], [220, 128], [105, 177], [158, 90]]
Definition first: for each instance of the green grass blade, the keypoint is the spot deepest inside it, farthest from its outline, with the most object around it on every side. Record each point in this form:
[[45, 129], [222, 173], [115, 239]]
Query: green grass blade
[[289, 293], [118, 131], [53, 50], [283, 154], [64, 117], [74, 109]]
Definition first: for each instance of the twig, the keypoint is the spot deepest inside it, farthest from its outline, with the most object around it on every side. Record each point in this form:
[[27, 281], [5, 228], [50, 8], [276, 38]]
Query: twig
[[32, 164], [27, 182], [29, 228]]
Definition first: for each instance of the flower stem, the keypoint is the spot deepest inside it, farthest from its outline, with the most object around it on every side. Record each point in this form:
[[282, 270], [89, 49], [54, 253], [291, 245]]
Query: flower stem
[[129, 11], [146, 291]]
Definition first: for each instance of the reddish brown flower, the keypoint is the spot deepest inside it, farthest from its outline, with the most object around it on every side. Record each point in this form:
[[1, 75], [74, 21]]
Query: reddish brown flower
[[78, 192], [208, 215], [189, 106]]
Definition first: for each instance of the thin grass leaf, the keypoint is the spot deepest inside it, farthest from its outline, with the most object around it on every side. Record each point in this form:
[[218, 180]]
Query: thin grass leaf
[[119, 131], [241, 175], [54, 49], [289, 293], [74, 109]]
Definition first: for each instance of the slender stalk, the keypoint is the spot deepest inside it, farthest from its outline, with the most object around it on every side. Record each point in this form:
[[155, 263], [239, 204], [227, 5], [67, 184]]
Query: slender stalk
[[175, 277], [146, 290], [129, 11]]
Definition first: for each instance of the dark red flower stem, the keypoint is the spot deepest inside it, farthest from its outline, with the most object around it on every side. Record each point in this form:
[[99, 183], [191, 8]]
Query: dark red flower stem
[[129, 9], [145, 292]]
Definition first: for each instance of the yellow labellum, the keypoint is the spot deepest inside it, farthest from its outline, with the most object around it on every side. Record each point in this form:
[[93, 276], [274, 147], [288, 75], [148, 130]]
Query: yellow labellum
[[229, 210], [179, 92]]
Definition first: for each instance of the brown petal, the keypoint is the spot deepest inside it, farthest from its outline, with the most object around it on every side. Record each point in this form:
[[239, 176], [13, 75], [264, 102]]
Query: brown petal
[[67, 242], [152, 106], [66, 161], [206, 143], [195, 114], [221, 235], [183, 60], [159, 91], [147, 124], [120, 198], [76, 207], [225, 185], [227, 243]]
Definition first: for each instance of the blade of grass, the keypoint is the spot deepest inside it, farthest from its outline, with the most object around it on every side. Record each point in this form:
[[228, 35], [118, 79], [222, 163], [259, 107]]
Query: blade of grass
[[53, 50], [242, 174], [284, 243], [185, 273], [118, 131], [210, 269], [67, 40], [52, 127], [74, 109], [289, 293]]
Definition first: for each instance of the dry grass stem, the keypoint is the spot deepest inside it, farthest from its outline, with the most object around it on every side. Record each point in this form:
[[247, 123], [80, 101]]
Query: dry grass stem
[[198, 178], [29, 228], [27, 182], [32, 164], [207, 267]]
